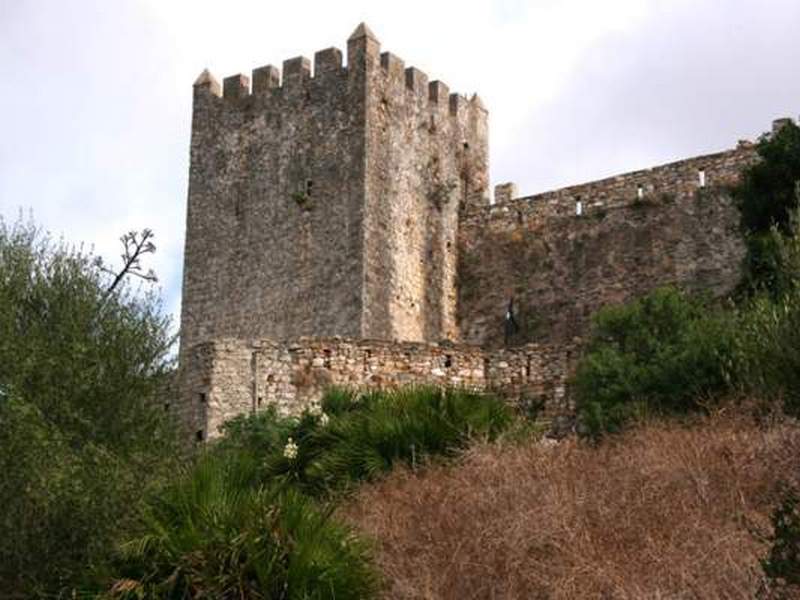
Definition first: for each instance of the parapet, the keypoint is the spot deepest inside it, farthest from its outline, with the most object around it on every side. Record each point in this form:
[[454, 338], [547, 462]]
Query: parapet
[[363, 54]]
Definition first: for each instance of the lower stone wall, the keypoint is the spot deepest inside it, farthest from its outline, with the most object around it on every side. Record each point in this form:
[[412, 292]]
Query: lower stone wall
[[229, 377]]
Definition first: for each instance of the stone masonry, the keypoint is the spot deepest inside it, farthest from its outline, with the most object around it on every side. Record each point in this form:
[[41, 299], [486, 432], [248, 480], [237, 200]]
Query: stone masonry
[[339, 232], [231, 376], [328, 204]]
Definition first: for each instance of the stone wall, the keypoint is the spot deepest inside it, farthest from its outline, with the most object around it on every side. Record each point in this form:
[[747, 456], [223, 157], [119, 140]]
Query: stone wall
[[561, 261], [328, 204], [427, 156], [228, 377]]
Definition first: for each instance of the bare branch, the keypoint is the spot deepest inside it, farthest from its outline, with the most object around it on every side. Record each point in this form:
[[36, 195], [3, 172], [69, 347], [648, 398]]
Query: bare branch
[[135, 245]]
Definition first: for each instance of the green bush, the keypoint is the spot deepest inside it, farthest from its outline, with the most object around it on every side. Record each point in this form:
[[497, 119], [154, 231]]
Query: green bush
[[367, 434], [218, 534], [769, 352], [81, 441], [782, 564], [666, 352]]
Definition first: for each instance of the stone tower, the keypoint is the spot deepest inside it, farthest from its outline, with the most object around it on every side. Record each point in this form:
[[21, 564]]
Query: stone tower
[[328, 204]]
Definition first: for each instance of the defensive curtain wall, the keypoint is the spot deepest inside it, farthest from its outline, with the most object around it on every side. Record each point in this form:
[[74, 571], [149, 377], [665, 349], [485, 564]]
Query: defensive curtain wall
[[564, 254]]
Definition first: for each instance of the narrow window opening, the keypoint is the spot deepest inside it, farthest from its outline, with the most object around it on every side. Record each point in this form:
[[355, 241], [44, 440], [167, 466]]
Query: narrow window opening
[[309, 187], [448, 361], [466, 145], [259, 401], [701, 176], [202, 397], [578, 207], [166, 407], [640, 192], [200, 435]]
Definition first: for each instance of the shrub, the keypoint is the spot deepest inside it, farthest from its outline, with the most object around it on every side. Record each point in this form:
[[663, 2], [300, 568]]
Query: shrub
[[782, 564], [769, 352], [367, 434], [772, 262], [665, 351], [218, 534]]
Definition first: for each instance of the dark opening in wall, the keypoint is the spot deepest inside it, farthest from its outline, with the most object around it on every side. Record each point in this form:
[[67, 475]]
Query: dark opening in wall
[[448, 361], [202, 397], [166, 407], [200, 435], [259, 401], [466, 145], [270, 378], [309, 187]]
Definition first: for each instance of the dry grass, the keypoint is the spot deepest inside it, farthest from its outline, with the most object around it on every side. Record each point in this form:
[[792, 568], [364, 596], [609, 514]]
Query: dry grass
[[664, 511]]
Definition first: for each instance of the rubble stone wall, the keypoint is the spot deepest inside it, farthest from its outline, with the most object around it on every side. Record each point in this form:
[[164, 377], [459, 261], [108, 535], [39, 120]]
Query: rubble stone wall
[[229, 377], [674, 224]]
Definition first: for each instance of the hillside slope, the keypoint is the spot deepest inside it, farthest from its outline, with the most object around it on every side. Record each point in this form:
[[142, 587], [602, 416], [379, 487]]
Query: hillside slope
[[665, 510]]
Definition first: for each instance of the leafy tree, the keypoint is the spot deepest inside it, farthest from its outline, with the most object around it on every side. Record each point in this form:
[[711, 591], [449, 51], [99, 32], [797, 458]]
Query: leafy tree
[[83, 357], [768, 198], [767, 193]]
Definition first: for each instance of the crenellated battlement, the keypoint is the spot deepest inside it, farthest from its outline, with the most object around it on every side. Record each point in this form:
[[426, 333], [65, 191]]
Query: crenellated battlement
[[297, 79], [660, 185]]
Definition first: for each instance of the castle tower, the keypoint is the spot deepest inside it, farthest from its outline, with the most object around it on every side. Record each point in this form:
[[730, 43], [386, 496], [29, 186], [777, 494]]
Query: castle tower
[[328, 204]]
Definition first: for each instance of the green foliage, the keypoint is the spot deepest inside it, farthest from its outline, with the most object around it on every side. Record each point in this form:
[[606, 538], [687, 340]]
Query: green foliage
[[250, 519], [218, 534], [769, 199], [782, 564], [80, 440], [766, 196], [772, 263], [769, 348], [667, 350], [367, 434]]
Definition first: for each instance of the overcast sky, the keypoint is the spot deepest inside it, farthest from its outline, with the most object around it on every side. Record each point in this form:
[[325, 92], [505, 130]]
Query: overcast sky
[[95, 96]]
